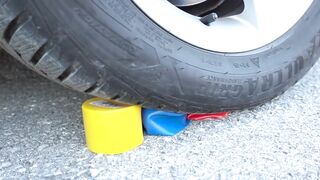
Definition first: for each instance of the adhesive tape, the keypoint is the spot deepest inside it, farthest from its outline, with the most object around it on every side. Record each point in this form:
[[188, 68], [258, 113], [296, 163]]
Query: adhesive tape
[[111, 128]]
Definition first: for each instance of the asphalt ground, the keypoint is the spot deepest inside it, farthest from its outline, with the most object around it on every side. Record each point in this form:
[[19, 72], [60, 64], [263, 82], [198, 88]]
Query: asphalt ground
[[42, 136]]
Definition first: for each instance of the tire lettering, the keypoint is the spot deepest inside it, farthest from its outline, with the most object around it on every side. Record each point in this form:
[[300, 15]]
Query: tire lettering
[[221, 91], [253, 85], [267, 82], [279, 77]]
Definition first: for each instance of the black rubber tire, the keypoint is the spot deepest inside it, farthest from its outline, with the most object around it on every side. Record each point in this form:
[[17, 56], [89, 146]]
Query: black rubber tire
[[110, 49]]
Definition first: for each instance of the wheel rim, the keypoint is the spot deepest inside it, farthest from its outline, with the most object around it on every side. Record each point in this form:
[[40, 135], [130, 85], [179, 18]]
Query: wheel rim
[[185, 2], [262, 22]]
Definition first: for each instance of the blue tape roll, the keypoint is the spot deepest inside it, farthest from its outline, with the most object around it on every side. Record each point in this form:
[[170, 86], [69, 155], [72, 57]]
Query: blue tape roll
[[160, 123]]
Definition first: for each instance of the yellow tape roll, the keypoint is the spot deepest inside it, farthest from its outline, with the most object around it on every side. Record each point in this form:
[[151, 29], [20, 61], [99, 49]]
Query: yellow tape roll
[[111, 128]]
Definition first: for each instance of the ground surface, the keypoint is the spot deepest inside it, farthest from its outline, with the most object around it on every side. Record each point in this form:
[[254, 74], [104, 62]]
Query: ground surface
[[41, 136]]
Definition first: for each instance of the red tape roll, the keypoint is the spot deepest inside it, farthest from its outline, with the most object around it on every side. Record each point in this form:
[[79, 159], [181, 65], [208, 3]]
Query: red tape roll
[[201, 117]]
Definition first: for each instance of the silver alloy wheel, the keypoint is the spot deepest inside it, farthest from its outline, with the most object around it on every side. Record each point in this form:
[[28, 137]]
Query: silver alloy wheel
[[262, 22], [181, 3]]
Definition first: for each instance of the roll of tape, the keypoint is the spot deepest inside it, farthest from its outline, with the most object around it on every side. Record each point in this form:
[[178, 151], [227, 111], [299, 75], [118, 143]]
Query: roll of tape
[[161, 123], [111, 128]]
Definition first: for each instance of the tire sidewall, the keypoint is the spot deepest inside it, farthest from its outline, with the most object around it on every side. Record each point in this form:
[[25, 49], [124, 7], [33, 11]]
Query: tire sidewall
[[159, 65]]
